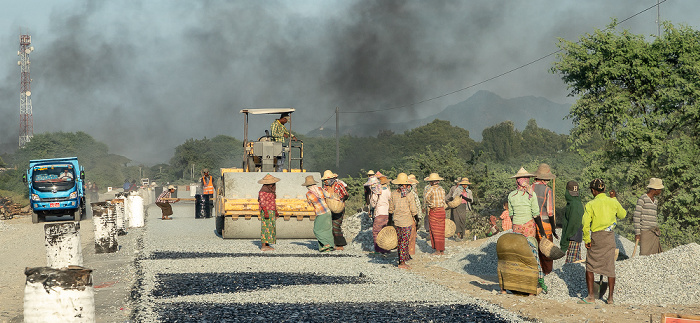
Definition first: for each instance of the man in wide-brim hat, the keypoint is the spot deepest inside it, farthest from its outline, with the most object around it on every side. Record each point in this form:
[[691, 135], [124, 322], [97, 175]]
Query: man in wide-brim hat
[[522, 206], [434, 198], [268, 211], [646, 227], [545, 202], [323, 227], [337, 190], [461, 212], [403, 206]]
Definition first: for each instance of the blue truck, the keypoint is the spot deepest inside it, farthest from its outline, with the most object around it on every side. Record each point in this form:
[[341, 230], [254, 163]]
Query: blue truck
[[56, 188]]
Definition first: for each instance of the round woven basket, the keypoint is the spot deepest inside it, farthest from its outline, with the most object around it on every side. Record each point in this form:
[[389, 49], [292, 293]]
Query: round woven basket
[[450, 228], [550, 250], [336, 206], [387, 238]]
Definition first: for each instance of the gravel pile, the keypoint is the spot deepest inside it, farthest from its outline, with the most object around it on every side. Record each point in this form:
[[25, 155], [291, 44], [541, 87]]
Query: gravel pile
[[666, 278], [191, 275]]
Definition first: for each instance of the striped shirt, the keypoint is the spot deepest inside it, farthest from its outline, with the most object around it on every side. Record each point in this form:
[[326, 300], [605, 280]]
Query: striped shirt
[[317, 198], [278, 130], [434, 196], [644, 214], [165, 195]]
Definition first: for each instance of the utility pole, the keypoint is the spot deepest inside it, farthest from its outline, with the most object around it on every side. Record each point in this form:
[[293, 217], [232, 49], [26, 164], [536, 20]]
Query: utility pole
[[658, 18], [337, 141]]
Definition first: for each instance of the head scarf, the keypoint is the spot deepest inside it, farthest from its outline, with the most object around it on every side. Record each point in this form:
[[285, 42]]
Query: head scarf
[[329, 182], [374, 185], [269, 188], [404, 189], [524, 185]]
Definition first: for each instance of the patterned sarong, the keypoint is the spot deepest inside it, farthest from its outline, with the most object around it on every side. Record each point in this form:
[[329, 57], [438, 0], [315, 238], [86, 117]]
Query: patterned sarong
[[338, 237], [546, 262], [323, 231], [573, 253], [601, 256], [403, 235], [436, 217], [268, 232], [380, 222], [528, 230]]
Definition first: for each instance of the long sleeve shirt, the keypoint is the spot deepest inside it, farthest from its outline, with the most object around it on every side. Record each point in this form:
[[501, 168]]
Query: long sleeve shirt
[[434, 196], [403, 208], [600, 214], [316, 197], [644, 214], [522, 207], [383, 202]]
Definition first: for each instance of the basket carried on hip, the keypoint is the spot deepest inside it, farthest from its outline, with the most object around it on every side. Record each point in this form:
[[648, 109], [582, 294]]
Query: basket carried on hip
[[450, 228], [335, 204], [550, 250]]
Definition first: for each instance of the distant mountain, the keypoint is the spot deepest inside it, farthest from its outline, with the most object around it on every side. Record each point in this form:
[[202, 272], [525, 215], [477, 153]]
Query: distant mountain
[[482, 110]]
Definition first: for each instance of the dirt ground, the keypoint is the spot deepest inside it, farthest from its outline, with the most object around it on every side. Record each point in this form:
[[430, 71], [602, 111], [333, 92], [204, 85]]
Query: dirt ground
[[23, 246]]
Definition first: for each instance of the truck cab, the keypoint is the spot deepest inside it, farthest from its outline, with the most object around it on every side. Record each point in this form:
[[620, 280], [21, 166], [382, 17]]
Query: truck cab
[[56, 187]]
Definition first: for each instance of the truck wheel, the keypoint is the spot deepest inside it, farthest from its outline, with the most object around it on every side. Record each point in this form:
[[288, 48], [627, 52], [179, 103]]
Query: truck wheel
[[35, 218]]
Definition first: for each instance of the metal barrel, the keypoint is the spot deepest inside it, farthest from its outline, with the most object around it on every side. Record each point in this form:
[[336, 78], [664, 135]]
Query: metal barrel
[[59, 295], [62, 241]]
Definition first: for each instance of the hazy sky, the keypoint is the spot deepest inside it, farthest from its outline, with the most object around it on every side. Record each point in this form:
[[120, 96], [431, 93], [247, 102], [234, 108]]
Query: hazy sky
[[144, 76]]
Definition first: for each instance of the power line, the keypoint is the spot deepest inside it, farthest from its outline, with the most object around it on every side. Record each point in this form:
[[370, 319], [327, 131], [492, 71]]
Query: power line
[[493, 77]]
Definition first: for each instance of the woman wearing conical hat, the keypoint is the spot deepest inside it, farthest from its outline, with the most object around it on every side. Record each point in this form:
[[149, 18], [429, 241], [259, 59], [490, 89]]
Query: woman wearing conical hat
[[522, 206], [323, 227], [403, 206], [337, 189], [459, 214], [434, 197], [418, 219], [381, 211], [268, 211]]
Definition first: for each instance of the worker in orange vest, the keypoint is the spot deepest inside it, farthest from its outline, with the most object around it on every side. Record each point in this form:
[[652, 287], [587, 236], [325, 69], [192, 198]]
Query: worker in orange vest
[[208, 186]]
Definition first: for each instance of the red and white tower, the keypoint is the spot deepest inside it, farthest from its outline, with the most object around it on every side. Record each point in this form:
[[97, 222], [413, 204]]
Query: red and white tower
[[26, 124]]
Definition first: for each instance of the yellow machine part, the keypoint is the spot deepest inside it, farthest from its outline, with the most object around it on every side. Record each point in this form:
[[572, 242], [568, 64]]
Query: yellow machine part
[[239, 205]]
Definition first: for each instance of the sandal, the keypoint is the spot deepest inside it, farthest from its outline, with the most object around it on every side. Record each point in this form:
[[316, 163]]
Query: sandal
[[585, 301], [540, 283]]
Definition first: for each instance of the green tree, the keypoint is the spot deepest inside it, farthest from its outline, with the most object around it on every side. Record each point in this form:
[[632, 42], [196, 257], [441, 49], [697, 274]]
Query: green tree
[[501, 142], [218, 152], [642, 98]]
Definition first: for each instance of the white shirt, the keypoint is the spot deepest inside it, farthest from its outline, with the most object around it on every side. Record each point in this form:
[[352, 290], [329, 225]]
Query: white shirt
[[383, 203]]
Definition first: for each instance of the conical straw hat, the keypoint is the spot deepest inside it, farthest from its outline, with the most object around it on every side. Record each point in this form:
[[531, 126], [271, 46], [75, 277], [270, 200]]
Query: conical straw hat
[[371, 172], [268, 179], [412, 179], [433, 177], [328, 175], [522, 173]]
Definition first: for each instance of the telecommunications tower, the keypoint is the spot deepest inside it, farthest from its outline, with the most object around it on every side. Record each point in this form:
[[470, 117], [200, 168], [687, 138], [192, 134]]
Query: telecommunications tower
[[26, 127]]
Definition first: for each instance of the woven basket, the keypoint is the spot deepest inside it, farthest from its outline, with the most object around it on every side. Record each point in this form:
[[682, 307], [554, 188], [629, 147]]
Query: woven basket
[[450, 228], [550, 250], [387, 238], [336, 205], [456, 201]]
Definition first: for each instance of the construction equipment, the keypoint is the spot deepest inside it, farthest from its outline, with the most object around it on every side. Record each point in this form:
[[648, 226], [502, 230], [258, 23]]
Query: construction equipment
[[236, 203]]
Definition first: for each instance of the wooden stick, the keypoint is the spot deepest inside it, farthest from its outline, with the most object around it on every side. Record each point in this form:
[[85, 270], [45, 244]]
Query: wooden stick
[[182, 199]]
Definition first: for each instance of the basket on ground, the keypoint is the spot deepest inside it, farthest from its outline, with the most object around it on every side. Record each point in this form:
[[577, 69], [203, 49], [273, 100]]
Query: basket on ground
[[387, 238], [450, 228]]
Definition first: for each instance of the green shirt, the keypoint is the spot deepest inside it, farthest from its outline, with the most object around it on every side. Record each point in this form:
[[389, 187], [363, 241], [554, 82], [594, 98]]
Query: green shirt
[[278, 131], [601, 213], [522, 206]]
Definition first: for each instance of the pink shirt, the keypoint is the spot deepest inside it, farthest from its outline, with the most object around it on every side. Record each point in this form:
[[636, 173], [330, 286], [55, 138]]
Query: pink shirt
[[507, 224]]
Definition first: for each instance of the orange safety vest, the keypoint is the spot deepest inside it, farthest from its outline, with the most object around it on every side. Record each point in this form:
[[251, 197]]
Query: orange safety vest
[[207, 187]]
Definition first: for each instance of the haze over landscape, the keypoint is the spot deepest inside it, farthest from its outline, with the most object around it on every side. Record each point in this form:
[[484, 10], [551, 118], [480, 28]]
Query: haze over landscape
[[144, 76]]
